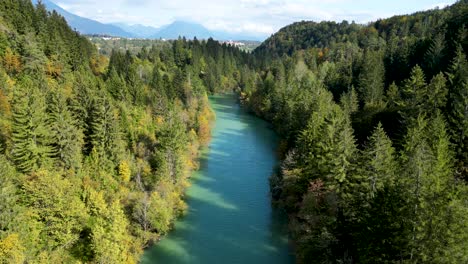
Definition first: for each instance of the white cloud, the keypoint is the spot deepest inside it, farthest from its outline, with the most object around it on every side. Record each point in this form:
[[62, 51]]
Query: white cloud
[[261, 17], [438, 5]]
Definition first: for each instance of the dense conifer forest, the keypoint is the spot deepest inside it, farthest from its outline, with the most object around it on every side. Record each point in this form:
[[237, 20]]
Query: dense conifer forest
[[374, 120], [96, 150]]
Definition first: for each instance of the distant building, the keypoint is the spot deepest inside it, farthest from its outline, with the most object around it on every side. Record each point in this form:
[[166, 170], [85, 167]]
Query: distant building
[[234, 43]]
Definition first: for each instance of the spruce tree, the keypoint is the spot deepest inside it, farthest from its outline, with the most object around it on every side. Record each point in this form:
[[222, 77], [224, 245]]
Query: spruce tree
[[458, 80], [371, 79], [379, 162], [350, 102], [414, 86], [31, 133], [67, 138], [116, 85], [436, 94], [105, 136]]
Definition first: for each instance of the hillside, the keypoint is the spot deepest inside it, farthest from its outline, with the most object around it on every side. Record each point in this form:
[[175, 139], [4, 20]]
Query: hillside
[[95, 152], [308, 34], [374, 122], [97, 146]]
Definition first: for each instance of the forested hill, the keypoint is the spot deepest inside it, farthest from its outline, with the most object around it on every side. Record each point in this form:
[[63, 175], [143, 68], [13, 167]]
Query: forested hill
[[308, 34], [95, 151], [374, 120]]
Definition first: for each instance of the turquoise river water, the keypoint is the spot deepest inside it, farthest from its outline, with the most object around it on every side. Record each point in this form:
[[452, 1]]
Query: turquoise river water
[[230, 218]]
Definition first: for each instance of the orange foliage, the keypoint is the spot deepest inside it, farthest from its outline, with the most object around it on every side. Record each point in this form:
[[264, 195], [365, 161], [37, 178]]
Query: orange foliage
[[54, 69], [12, 62], [322, 54], [5, 108], [99, 64]]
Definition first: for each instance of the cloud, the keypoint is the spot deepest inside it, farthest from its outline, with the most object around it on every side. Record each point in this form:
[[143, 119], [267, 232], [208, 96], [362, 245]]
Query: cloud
[[246, 16], [438, 5], [137, 2]]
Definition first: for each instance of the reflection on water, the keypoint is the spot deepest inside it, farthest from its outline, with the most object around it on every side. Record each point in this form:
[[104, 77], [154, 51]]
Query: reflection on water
[[230, 219]]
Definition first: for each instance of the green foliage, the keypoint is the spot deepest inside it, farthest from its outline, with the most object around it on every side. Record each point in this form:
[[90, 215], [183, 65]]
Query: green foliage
[[371, 79], [84, 138], [31, 133], [378, 162], [414, 88], [9, 207], [56, 206], [95, 153], [67, 138], [458, 78], [350, 102], [356, 196]]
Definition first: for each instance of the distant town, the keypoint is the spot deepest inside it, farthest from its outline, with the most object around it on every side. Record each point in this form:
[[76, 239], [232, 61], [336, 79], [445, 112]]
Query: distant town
[[135, 44]]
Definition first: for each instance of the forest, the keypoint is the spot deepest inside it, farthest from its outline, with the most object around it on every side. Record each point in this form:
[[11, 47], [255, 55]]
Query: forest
[[96, 148], [374, 121], [96, 151]]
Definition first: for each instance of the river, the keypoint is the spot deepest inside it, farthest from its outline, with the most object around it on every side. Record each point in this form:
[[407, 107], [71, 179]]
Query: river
[[230, 218]]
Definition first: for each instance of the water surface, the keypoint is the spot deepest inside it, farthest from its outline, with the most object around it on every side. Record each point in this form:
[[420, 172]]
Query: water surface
[[230, 219]]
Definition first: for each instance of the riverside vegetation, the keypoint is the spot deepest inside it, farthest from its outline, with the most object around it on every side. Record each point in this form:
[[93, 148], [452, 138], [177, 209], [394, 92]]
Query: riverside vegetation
[[374, 120], [96, 150]]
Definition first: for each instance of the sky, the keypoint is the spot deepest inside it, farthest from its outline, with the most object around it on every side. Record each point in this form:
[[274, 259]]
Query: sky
[[260, 17]]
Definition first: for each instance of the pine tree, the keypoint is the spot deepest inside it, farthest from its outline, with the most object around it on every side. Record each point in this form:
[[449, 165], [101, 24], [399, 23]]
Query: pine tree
[[417, 158], [181, 56], [31, 133], [436, 94], [379, 162], [371, 79], [377, 210], [429, 179], [105, 136], [350, 101], [11, 62], [458, 80], [437, 191], [157, 82], [435, 54], [393, 96], [67, 138], [116, 85], [178, 83], [413, 92]]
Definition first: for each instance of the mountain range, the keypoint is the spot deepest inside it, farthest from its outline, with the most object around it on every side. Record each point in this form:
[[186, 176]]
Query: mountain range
[[85, 25], [172, 31]]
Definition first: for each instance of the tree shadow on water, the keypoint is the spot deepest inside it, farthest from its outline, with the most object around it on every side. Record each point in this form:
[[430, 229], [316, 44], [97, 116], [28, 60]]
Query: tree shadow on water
[[230, 219]]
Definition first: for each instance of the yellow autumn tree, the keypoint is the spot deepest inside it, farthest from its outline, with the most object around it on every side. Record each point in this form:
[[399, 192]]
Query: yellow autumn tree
[[124, 171], [11, 61], [11, 250], [204, 119]]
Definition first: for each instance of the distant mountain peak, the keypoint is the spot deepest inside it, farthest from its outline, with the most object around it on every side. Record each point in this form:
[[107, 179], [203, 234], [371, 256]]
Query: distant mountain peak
[[180, 28], [85, 25], [174, 30]]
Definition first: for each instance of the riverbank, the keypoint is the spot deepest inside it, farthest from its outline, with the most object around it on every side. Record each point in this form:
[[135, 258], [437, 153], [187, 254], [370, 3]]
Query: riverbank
[[229, 214]]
